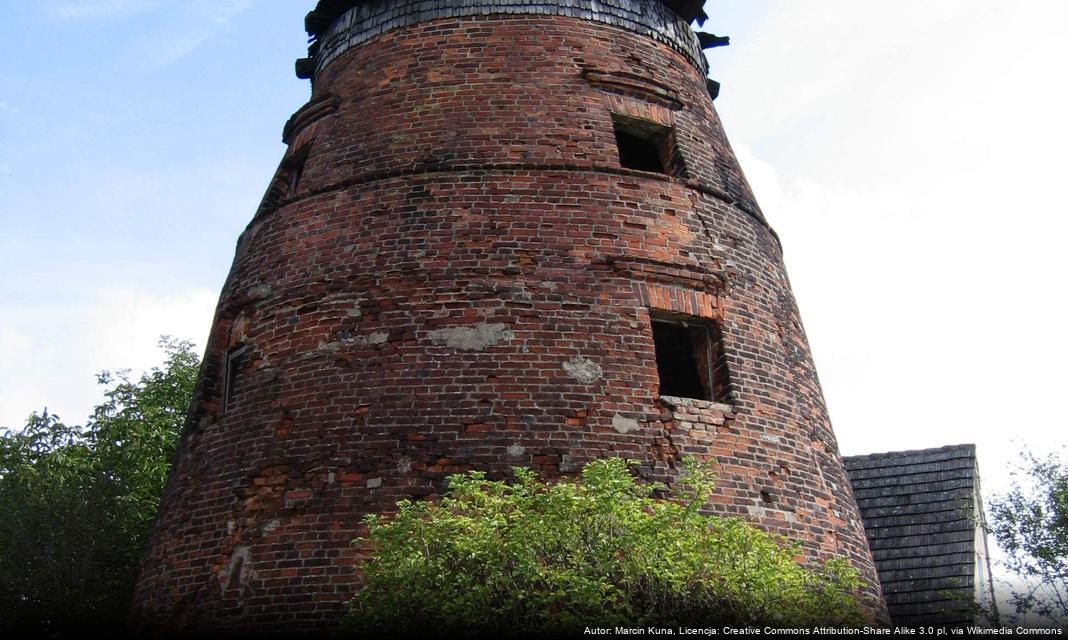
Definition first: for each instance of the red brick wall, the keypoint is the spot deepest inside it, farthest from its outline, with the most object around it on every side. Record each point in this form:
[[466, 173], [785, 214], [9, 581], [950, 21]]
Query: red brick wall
[[463, 280]]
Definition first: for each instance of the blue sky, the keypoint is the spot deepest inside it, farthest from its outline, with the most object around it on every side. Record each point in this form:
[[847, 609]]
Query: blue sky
[[910, 154], [136, 138], [128, 124]]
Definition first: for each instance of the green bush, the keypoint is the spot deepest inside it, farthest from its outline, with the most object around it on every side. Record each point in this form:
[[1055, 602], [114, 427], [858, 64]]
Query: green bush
[[529, 557], [1030, 524], [77, 502]]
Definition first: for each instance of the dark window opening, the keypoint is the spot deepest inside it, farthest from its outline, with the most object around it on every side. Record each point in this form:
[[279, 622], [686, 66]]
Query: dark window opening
[[286, 181], [643, 145], [234, 360], [276, 193], [690, 359], [636, 153], [293, 170], [296, 172]]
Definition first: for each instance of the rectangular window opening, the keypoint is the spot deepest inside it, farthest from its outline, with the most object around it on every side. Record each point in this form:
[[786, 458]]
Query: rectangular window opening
[[294, 170], [233, 365], [690, 360], [643, 145], [286, 180]]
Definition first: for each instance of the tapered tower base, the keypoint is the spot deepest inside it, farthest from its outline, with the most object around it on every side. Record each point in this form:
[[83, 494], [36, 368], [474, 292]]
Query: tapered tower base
[[503, 233]]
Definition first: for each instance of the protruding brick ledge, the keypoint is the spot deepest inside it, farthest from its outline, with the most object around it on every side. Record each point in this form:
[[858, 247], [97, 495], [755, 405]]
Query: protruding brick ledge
[[646, 17]]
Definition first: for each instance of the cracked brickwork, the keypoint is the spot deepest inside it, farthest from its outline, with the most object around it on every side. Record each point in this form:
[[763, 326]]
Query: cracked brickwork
[[463, 278]]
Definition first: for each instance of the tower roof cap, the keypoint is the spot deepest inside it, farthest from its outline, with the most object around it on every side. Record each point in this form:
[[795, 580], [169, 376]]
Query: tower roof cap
[[327, 11]]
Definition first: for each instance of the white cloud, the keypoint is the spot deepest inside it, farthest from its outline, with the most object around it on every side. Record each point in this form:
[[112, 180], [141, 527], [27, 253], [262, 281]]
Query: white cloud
[[49, 354], [125, 325], [95, 9], [221, 11], [9, 108], [208, 16], [160, 50], [926, 333], [911, 157], [144, 256], [191, 26], [178, 29]]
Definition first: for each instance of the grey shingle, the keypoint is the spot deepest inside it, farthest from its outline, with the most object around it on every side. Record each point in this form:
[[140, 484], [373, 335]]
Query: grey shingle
[[917, 508], [950, 561]]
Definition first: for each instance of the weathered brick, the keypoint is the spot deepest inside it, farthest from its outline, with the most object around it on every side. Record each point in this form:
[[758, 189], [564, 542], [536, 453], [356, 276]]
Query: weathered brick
[[463, 278]]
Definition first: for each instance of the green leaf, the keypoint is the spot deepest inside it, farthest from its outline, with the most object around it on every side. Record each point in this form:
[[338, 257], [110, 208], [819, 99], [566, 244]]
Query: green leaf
[[77, 502], [544, 558]]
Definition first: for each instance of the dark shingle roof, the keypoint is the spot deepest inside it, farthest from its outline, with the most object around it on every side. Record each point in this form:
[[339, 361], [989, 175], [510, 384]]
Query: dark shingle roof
[[326, 11], [919, 515]]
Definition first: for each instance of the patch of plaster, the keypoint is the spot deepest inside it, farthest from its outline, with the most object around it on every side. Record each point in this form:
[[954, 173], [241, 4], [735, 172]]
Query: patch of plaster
[[371, 339], [259, 292], [623, 424], [763, 512], [472, 338], [583, 369], [238, 567], [568, 464]]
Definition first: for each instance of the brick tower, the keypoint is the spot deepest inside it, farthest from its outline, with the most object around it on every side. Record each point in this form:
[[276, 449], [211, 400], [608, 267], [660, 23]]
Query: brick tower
[[505, 232]]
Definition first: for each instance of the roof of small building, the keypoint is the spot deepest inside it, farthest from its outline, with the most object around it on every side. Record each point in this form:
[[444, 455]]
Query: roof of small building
[[919, 514]]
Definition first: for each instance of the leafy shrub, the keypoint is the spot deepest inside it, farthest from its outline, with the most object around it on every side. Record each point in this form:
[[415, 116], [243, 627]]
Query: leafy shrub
[[77, 502], [1030, 523], [530, 557]]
